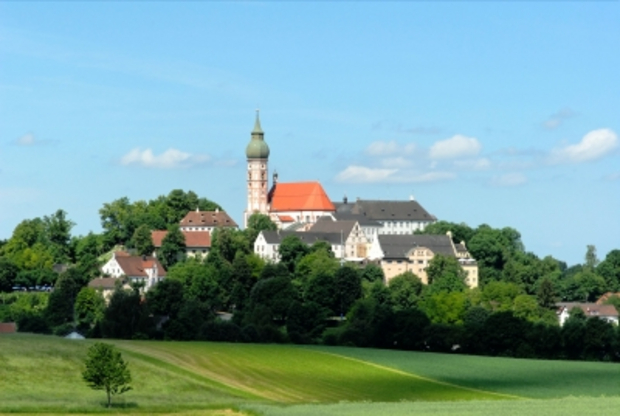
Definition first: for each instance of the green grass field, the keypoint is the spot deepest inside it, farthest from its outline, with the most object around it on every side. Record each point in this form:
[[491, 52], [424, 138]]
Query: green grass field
[[41, 374]]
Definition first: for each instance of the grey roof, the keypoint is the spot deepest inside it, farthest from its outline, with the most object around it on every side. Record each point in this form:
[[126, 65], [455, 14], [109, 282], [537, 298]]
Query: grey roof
[[362, 220], [330, 226], [308, 237], [385, 210], [397, 246]]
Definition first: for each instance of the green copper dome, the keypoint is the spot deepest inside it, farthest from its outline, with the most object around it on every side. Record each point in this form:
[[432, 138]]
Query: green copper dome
[[257, 148]]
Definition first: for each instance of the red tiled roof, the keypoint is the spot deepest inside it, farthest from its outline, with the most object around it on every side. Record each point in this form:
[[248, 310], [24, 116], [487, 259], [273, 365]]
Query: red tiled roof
[[136, 265], [286, 218], [299, 196], [207, 219], [7, 328], [192, 238], [103, 283]]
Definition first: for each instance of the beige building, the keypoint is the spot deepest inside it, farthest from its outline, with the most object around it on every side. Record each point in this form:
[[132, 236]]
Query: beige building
[[197, 243], [402, 253]]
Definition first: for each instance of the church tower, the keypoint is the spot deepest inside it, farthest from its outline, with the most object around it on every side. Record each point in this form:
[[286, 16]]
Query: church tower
[[257, 153]]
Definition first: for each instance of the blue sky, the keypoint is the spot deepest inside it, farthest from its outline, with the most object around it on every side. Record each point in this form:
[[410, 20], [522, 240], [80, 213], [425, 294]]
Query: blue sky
[[501, 113]]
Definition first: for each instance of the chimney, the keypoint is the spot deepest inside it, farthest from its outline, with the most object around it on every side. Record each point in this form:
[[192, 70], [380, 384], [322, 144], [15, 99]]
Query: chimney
[[345, 199], [411, 198], [217, 210]]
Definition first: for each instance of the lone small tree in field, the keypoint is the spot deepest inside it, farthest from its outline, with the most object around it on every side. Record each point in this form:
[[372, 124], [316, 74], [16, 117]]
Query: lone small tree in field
[[106, 370]]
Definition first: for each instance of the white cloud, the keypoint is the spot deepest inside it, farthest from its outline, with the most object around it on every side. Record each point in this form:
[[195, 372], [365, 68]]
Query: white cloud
[[509, 179], [454, 147], [395, 162], [381, 148], [170, 159], [594, 145], [30, 140], [361, 174], [612, 176], [473, 164], [425, 177], [555, 120]]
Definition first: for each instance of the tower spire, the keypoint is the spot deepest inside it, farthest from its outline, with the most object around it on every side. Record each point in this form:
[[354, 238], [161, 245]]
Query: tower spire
[[257, 128]]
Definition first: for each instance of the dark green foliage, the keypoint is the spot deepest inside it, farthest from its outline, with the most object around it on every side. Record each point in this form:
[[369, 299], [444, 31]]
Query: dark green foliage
[[445, 275], [443, 338], [126, 316], [321, 289], [60, 307], [8, 274], [545, 294], [276, 294], [242, 282], [221, 331], [166, 298], [503, 334], [256, 223], [189, 322], [227, 242], [409, 329], [348, 285], [106, 370], [305, 322], [609, 269], [89, 308], [368, 325], [142, 241], [373, 273], [291, 250], [172, 247], [460, 232], [405, 290]]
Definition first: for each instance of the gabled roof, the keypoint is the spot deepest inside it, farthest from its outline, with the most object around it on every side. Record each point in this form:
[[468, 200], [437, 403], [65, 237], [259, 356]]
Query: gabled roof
[[308, 237], [590, 309], [386, 210], [398, 246], [104, 283], [299, 196], [136, 266], [330, 226], [362, 220], [192, 238], [207, 219]]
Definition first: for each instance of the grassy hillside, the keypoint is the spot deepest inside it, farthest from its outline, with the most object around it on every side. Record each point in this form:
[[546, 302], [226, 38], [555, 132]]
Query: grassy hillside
[[43, 374], [288, 374], [525, 378]]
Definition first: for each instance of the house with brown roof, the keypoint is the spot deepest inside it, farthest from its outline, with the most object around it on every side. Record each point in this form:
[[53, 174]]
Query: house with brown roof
[[206, 221], [197, 243], [144, 269], [398, 254], [107, 285], [592, 310]]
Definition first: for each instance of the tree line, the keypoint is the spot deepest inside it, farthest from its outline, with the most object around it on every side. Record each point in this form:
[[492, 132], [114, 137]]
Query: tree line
[[310, 297]]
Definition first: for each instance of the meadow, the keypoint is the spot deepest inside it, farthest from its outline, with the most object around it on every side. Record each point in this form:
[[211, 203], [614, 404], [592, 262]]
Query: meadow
[[42, 374]]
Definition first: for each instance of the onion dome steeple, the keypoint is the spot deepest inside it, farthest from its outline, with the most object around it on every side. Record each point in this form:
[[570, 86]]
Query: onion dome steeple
[[257, 148]]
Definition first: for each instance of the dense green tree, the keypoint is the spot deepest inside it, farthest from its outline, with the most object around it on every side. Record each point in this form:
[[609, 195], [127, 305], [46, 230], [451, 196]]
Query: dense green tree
[[321, 289], [227, 242], [526, 307], [142, 240], [166, 298], [492, 248], [106, 370], [460, 232], [258, 222], [445, 274], [348, 288], [609, 269], [58, 234], [8, 274], [60, 308], [445, 307], [313, 263], [172, 247], [373, 273], [242, 281], [89, 307], [291, 250], [405, 291], [305, 322], [409, 326], [276, 294], [499, 295], [126, 316], [591, 258], [546, 295]]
